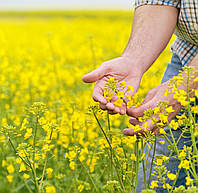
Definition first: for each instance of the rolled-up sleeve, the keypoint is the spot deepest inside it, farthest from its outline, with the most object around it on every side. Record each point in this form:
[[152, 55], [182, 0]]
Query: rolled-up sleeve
[[174, 3]]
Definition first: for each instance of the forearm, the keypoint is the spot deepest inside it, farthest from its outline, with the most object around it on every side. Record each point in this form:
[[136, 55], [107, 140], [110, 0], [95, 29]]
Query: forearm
[[153, 27]]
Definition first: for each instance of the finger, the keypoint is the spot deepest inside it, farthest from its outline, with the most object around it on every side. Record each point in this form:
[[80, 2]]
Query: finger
[[111, 112], [132, 132], [149, 96], [139, 111], [113, 99], [98, 94], [123, 109], [134, 121], [150, 126], [145, 127], [114, 111], [110, 106], [143, 131], [99, 98], [129, 93], [95, 75], [117, 110], [103, 107]]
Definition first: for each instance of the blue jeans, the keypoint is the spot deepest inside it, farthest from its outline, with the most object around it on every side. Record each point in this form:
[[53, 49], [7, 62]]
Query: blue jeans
[[173, 69]]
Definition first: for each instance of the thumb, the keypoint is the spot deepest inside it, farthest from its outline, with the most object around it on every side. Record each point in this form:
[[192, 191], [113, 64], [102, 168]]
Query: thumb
[[139, 111], [95, 75]]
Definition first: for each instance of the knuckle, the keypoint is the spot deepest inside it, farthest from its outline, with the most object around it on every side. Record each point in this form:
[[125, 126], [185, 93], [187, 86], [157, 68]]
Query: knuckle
[[103, 107], [106, 66]]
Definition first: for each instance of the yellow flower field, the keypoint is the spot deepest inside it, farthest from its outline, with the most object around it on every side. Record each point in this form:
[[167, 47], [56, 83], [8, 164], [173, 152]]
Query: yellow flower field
[[49, 139]]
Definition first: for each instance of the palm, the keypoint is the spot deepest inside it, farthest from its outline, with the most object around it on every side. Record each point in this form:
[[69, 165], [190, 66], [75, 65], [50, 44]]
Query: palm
[[120, 68]]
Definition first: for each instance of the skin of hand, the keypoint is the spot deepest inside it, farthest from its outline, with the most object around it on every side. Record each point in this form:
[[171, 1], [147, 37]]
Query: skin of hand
[[151, 100], [120, 68], [153, 26], [156, 95]]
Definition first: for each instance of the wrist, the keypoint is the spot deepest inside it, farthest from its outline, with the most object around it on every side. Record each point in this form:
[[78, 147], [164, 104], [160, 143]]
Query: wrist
[[136, 63]]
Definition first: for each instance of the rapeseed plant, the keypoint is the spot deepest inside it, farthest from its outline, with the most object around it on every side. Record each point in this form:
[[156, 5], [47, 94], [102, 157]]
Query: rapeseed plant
[[57, 145]]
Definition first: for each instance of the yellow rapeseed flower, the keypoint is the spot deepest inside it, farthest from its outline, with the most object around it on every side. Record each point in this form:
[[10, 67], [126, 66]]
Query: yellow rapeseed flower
[[154, 184], [184, 164], [133, 157], [50, 189], [174, 124], [118, 102], [81, 187], [4, 163], [49, 172], [165, 186], [72, 165], [159, 162], [189, 181], [26, 176], [22, 167], [171, 176], [10, 169], [28, 133], [9, 178]]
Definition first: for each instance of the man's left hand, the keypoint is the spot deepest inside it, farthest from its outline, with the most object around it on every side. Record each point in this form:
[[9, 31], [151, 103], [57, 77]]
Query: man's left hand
[[153, 97]]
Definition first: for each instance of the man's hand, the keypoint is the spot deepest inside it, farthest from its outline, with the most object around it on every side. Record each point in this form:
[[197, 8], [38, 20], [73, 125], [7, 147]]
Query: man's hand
[[153, 26], [153, 97], [123, 69], [156, 95]]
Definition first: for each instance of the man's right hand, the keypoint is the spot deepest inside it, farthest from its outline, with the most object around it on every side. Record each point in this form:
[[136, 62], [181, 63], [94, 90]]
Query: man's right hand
[[123, 69]]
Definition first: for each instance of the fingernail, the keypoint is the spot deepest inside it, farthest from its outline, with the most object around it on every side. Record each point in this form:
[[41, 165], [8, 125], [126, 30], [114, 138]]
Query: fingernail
[[117, 110], [125, 131], [103, 101], [121, 113]]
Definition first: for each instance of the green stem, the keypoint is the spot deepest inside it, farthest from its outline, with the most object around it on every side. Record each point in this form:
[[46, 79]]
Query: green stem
[[111, 154], [194, 173], [149, 154], [174, 142], [153, 157], [137, 164], [165, 185], [111, 149], [12, 145], [33, 173], [33, 159], [195, 151], [34, 140], [174, 182], [143, 166], [26, 185], [45, 165], [90, 177]]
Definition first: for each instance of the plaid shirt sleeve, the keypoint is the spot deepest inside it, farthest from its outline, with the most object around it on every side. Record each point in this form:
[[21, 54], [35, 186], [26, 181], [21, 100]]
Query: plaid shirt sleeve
[[174, 3], [186, 43]]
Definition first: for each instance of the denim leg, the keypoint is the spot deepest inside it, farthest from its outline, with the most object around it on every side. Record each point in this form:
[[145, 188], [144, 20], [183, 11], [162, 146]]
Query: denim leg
[[172, 165], [172, 69]]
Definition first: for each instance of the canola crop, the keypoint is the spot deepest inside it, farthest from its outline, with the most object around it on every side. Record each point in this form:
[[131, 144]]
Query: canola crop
[[49, 139]]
